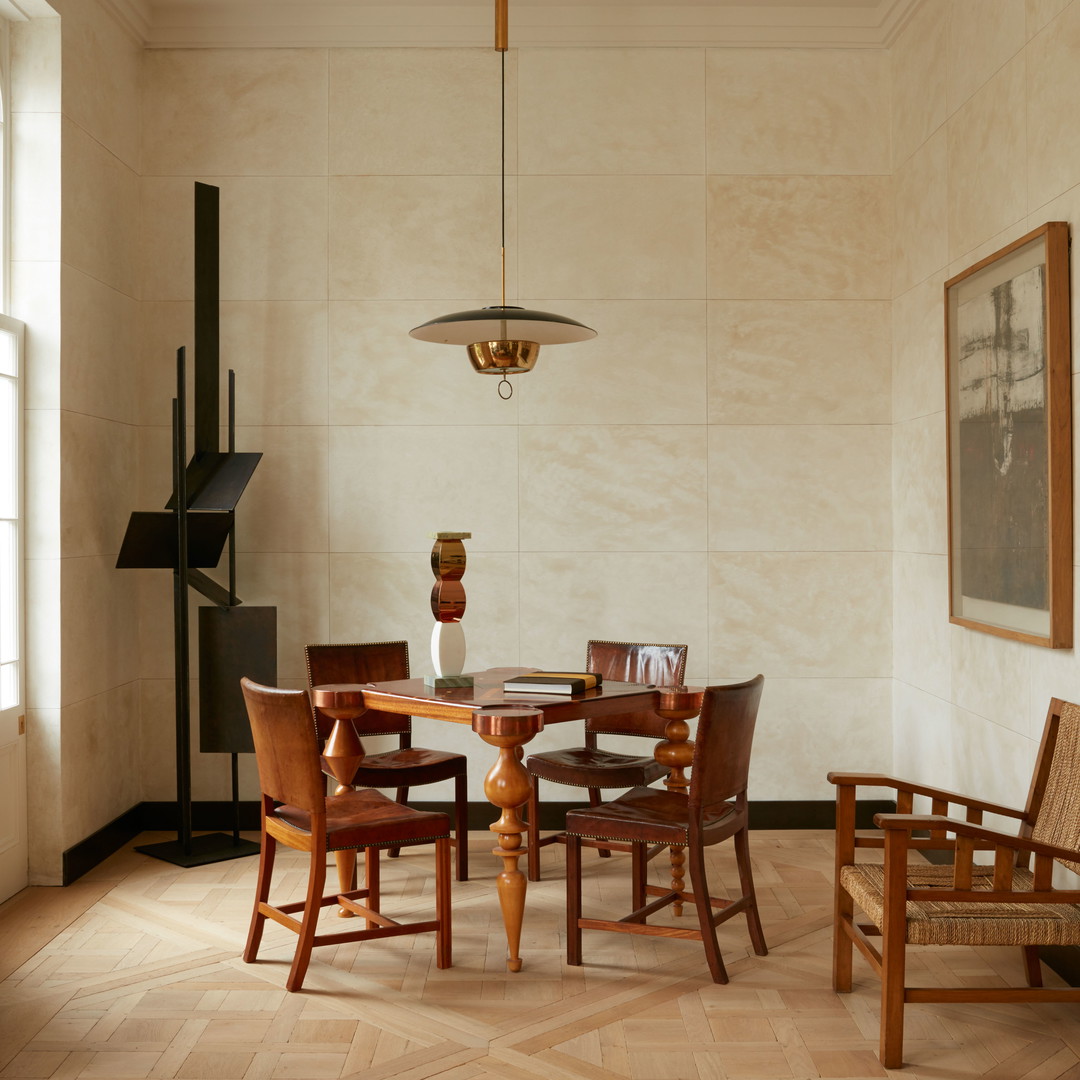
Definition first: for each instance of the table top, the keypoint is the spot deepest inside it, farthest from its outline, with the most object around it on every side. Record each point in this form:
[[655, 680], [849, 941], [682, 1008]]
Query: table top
[[456, 704]]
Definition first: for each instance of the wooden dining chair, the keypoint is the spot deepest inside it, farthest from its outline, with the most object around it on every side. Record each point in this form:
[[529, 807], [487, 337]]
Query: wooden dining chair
[[407, 766], [1008, 898], [714, 809], [591, 766], [297, 812]]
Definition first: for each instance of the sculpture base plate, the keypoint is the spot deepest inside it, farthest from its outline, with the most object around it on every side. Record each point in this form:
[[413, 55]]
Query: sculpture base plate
[[448, 682], [200, 850]]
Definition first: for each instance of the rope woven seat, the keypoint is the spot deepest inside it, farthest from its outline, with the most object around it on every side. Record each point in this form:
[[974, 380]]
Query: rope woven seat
[[956, 923]]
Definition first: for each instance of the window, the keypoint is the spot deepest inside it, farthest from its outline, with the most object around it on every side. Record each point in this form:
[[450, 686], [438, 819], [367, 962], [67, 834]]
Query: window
[[11, 339], [10, 514], [13, 820]]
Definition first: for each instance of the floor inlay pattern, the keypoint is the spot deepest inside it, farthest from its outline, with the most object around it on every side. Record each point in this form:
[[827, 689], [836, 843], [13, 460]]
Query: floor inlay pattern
[[143, 978]]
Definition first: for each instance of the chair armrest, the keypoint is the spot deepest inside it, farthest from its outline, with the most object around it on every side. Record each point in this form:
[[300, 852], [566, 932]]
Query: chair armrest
[[1010, 852], [843, 779], [990, 837]]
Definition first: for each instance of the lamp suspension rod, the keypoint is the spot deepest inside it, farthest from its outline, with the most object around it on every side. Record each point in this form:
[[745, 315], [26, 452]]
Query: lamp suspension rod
[[501, 44], [501, 24]]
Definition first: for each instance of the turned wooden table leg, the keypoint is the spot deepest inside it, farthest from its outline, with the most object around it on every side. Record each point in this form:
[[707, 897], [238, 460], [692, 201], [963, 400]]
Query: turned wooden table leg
[[678, 704], [341, 757], [507, 788]]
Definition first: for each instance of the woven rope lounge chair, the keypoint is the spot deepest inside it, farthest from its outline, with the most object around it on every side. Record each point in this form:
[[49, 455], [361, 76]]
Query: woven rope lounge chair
[[1007, 897]]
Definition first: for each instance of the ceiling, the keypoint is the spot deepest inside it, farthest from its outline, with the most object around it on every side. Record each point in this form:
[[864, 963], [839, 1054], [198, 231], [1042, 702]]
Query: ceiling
[[442, 23]]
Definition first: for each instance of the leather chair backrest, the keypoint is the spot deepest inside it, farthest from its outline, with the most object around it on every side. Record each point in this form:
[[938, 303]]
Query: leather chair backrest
[[725, 733], [286, 753], [628, 661], [372, 661]]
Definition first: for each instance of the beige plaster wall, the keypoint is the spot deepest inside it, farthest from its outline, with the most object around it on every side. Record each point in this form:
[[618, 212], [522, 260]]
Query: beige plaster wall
[[713, 468], [985, 148], [76, 83], [724, 465]]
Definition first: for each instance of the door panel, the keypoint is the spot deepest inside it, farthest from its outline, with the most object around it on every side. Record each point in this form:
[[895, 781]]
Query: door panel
[[13, 848]]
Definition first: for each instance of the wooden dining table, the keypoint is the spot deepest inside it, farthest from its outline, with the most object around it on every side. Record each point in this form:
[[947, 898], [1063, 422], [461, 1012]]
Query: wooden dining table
[[506, 721]]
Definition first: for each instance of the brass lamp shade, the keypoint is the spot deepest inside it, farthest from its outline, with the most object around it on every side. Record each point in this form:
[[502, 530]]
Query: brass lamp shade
[[502, 322]]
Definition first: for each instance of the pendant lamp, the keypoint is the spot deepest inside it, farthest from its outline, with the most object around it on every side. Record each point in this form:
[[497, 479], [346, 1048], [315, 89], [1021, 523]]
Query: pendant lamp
[[503, 339]]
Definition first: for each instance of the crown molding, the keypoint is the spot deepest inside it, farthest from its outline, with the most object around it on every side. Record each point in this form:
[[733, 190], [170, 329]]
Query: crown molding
[[195, 24], [135, 16], [900, 13], [22, 10]]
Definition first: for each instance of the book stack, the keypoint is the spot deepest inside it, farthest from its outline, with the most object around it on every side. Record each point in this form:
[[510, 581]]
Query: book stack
[[553, 682]]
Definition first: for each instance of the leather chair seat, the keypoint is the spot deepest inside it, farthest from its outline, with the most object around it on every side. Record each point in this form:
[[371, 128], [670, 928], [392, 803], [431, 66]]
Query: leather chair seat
[[423, 766], [643, 815], [352, 818], [583, 766]]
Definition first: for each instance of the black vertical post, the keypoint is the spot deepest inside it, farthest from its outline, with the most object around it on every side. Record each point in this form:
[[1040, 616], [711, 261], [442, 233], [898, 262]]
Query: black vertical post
[[232, 600], [232, 450], [207, 320], [236, 796], [180, 610]]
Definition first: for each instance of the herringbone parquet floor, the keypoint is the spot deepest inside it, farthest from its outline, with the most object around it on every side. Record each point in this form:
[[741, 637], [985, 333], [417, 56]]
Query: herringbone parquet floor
[[135, 971]]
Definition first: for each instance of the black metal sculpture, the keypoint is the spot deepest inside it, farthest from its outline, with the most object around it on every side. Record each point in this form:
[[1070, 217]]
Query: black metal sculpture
[[189, 535]]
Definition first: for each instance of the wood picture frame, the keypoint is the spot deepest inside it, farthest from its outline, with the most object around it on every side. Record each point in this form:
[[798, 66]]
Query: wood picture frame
[[1009, 422]]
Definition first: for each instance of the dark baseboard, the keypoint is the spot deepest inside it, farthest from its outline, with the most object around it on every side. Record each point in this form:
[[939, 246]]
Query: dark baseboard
[[208, 816], [778, 814], [152, 817], [85, 855], [813, 813], [163, 816]]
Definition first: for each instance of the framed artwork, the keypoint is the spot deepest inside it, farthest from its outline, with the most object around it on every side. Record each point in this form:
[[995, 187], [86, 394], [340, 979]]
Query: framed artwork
[[1008, 361]]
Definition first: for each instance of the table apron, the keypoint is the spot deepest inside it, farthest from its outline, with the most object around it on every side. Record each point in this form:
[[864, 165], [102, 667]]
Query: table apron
[[555, 712]]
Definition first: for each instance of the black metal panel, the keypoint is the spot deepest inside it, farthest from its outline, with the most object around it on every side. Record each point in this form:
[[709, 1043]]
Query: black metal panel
[[151, 540], [213, 592], [207, 319], [233, 642], [217, 480]]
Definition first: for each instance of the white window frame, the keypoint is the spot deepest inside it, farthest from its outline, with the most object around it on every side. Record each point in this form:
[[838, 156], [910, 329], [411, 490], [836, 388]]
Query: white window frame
[[14, 328], [13, 829], [10, 325]]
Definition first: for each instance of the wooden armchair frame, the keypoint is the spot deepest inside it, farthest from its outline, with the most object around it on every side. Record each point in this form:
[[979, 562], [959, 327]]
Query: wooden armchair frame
[[1029, 910]]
